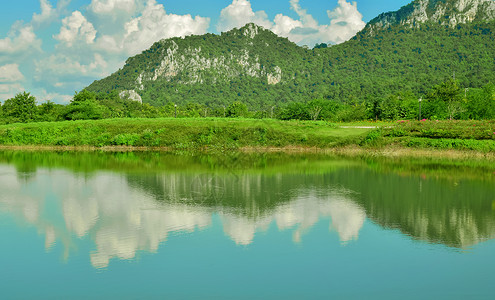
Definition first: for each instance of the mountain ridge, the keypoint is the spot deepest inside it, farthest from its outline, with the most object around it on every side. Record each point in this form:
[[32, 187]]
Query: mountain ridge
[[255, 66], [443, 12]]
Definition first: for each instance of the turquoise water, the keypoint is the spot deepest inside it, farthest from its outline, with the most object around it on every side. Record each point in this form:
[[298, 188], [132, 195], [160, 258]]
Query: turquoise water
[[82, 226]]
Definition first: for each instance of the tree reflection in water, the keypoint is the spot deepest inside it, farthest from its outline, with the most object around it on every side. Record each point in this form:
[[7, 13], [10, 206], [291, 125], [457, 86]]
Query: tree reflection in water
[[128, 209]]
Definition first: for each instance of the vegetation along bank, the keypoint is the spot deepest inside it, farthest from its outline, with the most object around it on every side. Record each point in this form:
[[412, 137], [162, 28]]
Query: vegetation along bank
[[223, 134]]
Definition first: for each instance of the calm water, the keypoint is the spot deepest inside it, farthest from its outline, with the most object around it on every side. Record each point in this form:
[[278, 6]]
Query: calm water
[[157, 225]]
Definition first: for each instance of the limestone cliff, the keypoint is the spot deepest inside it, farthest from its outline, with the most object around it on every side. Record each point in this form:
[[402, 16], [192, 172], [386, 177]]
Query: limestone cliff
[[443, 12]]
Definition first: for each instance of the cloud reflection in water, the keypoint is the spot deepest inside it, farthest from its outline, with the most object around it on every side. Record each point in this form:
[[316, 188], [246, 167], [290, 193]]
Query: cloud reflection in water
[[123, 218]]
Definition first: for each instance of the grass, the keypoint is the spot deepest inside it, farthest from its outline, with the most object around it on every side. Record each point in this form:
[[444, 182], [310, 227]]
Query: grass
[[233, 134], [459, 135], [187, 134]]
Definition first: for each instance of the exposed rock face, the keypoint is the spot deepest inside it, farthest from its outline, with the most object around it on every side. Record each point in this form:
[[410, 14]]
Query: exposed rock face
[[194, 64], [251, 30], [131, 95], [275, 78], [444, 12]]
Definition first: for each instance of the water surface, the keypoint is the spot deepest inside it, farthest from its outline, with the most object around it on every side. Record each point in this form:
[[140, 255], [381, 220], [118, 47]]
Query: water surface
[[244, 226]]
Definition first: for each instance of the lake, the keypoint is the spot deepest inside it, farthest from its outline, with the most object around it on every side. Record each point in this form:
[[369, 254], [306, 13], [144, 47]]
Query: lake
[[77, 225]]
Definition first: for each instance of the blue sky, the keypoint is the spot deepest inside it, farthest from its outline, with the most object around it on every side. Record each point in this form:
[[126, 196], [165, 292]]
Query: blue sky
[[54, 48]]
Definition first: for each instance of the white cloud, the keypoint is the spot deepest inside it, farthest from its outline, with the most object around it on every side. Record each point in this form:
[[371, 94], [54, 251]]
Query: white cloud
[[306, 18], [9, 90], [47, 13], [43, 96], [284, 25], [76, 28], [344, 21], [64, 65], [108, 7], [10, 73], [155, 24], [20, 39], [109, 44], [240, 13]]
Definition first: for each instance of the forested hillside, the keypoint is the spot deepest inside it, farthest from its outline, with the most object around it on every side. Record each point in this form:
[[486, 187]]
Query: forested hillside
[[405, 59], [408, 52], [249, 64]]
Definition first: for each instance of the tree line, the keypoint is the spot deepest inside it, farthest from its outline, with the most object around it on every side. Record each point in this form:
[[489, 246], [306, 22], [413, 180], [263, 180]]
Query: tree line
[[448, 100]]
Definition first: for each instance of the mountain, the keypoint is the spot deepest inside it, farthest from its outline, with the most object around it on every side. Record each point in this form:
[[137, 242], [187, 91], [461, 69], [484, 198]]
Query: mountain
[[443, 12], [244, 64], [407, 51]]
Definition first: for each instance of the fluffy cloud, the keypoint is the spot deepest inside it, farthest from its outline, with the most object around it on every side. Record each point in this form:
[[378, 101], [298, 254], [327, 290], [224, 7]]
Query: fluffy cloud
[[129, 35], [62, 64], [43, 96], [76, 28], [345, 21], [47, 13], [240, 13], [108, 7], [306, 18], [20, 39], [10, 73], [9, 90], [155, 24], [60, 74], [284, 25]]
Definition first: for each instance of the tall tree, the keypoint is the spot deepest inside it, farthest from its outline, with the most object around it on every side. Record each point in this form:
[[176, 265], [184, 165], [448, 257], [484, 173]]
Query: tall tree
[[450, 93], [21, 108]]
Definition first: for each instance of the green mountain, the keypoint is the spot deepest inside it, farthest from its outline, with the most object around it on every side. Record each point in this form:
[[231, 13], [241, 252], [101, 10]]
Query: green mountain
[[249, 64], [407, 51]]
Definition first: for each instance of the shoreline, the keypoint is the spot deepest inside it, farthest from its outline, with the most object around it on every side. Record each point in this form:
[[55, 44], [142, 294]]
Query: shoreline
[[347, 151]]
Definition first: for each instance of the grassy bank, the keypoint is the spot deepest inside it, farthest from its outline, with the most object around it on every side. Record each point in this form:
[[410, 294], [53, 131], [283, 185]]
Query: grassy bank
[[249, 134], [187, 134], [459, 135]]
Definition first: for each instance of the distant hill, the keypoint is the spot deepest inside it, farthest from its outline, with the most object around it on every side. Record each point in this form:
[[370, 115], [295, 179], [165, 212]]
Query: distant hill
[[410, 50]]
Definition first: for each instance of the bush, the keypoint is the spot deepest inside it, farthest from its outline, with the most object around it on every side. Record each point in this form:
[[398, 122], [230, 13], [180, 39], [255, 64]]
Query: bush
[[126, 139]]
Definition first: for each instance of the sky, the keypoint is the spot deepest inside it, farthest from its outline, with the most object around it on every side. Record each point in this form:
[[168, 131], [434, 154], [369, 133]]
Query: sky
[[54, 48]]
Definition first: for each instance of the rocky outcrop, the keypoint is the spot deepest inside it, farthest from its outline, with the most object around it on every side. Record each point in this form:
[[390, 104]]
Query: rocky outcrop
[[195, 65], [130, 95], [443, 12]]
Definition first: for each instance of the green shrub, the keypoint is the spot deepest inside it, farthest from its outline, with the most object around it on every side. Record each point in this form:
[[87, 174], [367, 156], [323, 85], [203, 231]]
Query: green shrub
[[372, 138], [126, 139]]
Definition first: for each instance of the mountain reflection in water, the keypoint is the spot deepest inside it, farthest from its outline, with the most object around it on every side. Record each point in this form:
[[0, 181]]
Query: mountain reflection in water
[[124, 211], [123, 220]]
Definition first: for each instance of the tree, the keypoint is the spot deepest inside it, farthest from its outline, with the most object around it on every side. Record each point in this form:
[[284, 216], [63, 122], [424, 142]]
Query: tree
[[49, 112], [449, 92], [320, 46], [314, 108], [481, 103], [295, 111], [237, 109], [84, 106], [21, 108]]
